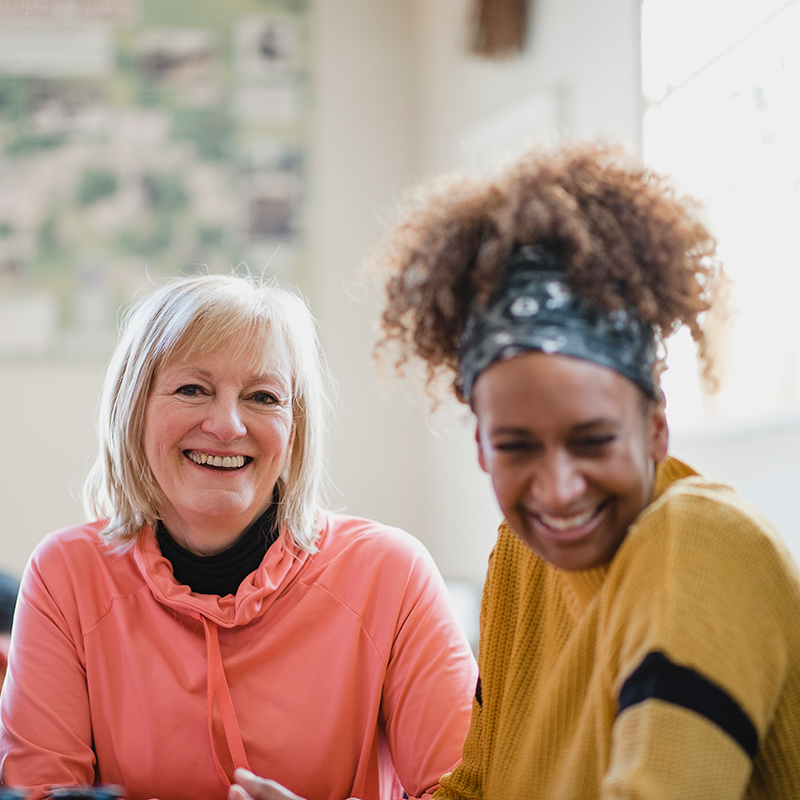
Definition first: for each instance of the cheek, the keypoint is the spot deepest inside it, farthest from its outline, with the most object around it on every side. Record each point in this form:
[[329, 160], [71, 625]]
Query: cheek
[[159, 442], [509, 487], [641, 462], [163, 430], [157, 453], [278, 437], [633, 478]]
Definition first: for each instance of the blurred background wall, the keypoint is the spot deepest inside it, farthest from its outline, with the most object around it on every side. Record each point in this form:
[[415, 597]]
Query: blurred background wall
[[392, 95]]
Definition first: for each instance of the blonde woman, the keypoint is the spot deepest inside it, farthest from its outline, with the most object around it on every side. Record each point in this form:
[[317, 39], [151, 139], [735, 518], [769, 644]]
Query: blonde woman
[[214, 618]]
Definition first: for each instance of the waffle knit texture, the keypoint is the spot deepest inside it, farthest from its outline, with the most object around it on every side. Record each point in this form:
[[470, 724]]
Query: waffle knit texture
[[672, 672]]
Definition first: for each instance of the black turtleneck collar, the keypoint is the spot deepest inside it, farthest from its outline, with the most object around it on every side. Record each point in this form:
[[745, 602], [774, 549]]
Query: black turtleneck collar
[[221, 574]]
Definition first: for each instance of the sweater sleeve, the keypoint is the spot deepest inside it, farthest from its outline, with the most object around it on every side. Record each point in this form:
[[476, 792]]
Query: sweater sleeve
[[430, 679], [46, 727], [464, 782], [498, 609], [701, 658]]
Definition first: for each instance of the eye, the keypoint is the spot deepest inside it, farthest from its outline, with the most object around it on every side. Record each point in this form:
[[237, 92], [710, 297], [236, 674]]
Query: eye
[[515, 446], [190, 390], [594, 442], [265, 398]]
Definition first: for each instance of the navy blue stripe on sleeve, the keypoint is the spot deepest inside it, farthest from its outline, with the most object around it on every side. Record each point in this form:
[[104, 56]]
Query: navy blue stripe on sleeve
[[659, 678]]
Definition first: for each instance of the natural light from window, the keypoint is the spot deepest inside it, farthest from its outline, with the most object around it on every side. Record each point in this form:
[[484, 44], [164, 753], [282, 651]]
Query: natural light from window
[[721, 84]]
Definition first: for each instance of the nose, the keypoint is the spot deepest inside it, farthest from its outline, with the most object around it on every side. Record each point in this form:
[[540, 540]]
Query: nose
[[223, 420], [557, 483]]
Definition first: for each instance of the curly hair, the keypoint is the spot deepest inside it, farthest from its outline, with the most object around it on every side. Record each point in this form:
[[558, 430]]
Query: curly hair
[[619, 230]]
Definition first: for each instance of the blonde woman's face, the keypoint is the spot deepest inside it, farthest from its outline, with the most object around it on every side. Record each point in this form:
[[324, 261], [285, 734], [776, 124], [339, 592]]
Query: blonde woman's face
[[217, 436], [570, 447]]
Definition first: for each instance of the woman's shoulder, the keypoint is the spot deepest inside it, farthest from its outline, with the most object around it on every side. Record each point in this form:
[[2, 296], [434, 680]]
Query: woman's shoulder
[[359, 560], [73, 568], [705, 579], [361, 551], [359, 534], [700, 529], [71, 552], [711, 511], [71, 541]]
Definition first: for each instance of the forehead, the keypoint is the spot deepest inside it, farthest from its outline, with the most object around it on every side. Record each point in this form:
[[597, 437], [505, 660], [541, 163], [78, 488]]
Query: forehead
[[262, 352], [538, 389]]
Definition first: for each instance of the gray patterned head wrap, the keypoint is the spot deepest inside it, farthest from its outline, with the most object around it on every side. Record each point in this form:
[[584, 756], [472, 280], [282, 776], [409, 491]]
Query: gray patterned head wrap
[[534, 308]]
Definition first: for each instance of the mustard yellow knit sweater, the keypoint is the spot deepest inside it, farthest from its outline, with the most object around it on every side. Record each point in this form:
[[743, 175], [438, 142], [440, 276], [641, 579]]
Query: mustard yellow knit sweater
[[673, 672]]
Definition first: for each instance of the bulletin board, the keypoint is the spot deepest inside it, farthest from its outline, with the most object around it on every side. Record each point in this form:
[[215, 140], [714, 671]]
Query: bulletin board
[[141, 139]]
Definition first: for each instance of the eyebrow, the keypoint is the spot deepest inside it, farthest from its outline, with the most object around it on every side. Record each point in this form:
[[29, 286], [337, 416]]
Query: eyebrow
[[510, 429], [256, 377], [593, 423], [268, 376], [579, 428]]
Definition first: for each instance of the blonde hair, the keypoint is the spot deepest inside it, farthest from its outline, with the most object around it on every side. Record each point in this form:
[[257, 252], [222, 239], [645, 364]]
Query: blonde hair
[[198, 314]]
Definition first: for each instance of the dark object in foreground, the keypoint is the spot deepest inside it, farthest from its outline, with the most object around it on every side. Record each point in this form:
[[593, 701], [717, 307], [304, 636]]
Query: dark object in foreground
[[105, 792]]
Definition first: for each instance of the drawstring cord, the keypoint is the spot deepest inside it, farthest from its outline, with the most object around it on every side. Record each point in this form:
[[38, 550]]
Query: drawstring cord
[[217, 687]]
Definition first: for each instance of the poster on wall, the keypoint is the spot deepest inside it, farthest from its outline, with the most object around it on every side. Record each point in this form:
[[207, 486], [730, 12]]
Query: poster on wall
[[139, 140]]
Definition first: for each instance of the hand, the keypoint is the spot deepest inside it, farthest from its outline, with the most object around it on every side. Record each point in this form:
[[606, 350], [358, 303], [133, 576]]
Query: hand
[[251, 787]]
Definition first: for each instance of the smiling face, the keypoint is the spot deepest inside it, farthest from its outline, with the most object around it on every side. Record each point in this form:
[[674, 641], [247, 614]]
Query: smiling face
[[217, 434], [570, 447]]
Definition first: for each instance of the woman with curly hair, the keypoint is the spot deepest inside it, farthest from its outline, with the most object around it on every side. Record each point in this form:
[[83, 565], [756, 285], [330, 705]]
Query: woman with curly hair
[[640, 626]]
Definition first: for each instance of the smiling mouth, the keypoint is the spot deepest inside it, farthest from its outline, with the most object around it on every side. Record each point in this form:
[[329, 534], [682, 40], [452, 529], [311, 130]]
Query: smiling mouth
[[571, 523], [217, 462]]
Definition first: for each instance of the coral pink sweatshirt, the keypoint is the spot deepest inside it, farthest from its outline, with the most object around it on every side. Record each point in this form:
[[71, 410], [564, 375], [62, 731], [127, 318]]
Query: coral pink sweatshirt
[[338, 674]]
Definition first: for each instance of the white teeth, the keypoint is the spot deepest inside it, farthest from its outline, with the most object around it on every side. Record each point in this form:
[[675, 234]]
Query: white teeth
[[565, 523], [231, 462]]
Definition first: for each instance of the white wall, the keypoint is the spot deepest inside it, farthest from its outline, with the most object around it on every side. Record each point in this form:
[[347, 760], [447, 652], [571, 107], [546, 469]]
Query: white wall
[[362, 152], [48, 443], [586, 51]]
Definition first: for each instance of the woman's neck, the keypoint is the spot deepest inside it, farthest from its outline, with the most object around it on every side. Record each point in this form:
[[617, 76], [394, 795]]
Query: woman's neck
[[221, 573], [206, 536]]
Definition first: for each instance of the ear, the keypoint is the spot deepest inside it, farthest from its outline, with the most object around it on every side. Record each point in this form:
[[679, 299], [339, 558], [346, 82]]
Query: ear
[[659, 431], [481, 456]]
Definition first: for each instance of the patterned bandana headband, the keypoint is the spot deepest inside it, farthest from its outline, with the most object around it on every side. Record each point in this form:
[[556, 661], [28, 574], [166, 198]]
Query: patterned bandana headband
[[533, 308]]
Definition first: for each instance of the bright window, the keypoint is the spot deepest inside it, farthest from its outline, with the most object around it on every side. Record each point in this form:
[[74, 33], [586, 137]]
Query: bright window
[[721, 81]]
